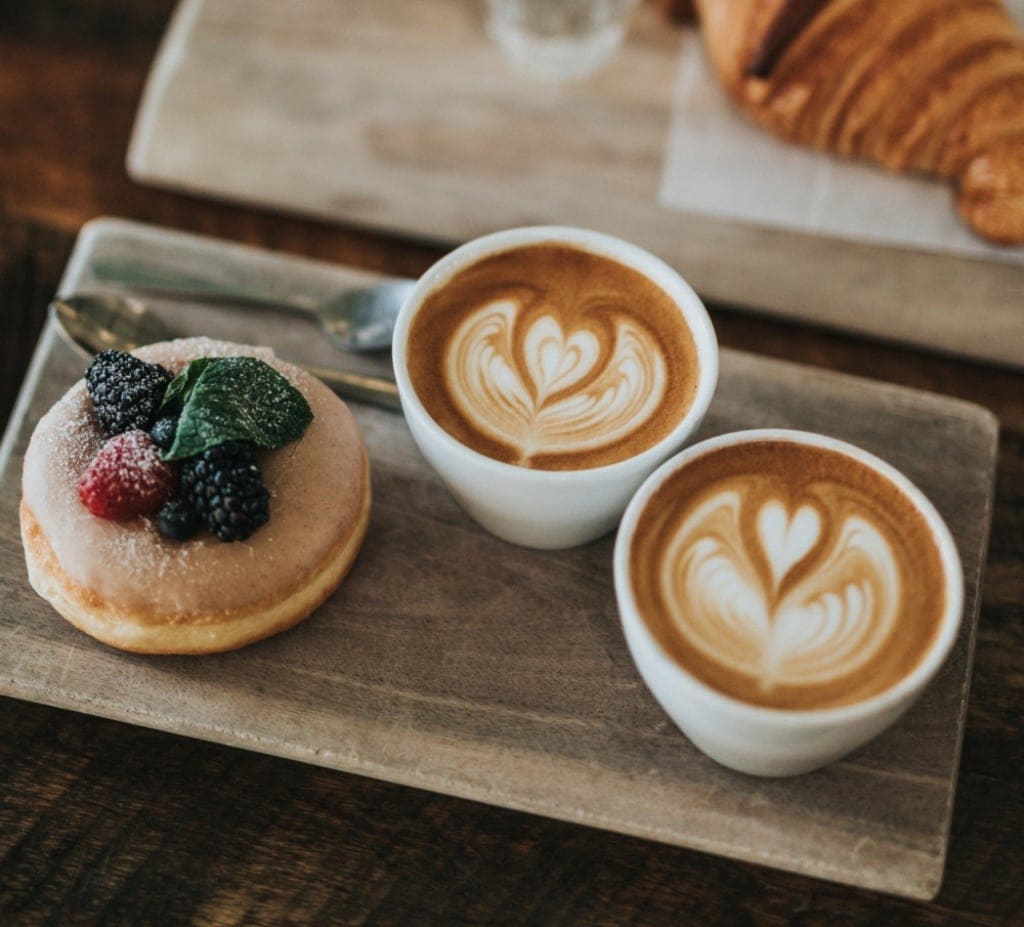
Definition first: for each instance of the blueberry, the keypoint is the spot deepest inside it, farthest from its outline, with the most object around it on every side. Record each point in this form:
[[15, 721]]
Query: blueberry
[[178, 521], [163, 432]]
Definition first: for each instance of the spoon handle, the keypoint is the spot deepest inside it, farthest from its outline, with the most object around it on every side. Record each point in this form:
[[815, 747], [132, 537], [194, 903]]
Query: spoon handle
[[376, 390], [173, 284]]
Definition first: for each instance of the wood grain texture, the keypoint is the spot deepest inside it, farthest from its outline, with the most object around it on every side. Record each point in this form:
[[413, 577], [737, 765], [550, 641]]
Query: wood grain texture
[[397, 116], [454, 662], [107, 823]]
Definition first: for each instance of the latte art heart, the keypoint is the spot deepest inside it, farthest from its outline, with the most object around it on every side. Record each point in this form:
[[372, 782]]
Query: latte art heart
[[786, 575], [546, 390], [786, 540], [552, 357], [831, 620]]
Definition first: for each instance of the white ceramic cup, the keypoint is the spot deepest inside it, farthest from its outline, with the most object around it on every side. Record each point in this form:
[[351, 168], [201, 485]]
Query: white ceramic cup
[[767, 741], [548, 509]]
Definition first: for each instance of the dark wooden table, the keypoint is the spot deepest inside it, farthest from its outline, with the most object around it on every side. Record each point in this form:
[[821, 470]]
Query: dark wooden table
[[110, 824]]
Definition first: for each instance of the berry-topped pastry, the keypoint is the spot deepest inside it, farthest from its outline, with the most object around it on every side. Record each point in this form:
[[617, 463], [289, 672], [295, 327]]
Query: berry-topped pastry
[[192, 497]]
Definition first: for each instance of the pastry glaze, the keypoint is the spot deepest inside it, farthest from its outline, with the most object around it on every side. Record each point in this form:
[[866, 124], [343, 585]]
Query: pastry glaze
[[125, 584]]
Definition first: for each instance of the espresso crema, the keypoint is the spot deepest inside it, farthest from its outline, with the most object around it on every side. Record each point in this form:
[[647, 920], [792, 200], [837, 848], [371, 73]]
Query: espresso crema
[[787, 576], [552, 357]]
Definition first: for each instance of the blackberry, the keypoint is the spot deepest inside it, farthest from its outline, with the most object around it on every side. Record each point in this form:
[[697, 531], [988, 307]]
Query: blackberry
[[125, 391], [177, 520], [163, 432], [224, 486]]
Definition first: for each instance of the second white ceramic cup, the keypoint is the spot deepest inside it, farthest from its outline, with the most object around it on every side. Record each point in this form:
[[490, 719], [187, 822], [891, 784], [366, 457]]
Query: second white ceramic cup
[[768, 741], [548, 509]]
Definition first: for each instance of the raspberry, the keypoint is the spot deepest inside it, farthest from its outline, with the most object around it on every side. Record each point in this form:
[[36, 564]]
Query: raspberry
[[126, 478], [224, 486], [125, 391]]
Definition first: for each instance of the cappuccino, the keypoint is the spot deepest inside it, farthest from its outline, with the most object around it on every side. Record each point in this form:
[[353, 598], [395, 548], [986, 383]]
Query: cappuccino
[[551, 357], [788, 576]]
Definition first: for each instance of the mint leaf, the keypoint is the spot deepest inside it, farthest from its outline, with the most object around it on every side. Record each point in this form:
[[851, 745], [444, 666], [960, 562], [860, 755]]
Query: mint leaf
[[235, 399], [181, 386]]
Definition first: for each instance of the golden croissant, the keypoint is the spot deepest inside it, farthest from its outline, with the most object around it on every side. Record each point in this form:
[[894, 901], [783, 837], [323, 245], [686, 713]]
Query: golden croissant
[[934, 86]]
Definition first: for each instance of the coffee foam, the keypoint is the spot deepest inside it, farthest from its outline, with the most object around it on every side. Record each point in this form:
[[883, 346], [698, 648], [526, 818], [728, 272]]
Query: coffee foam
[[787, 576], [551, 357]]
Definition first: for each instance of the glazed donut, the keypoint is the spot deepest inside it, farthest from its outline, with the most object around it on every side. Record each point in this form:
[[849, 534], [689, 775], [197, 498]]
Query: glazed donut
[[125, 584]]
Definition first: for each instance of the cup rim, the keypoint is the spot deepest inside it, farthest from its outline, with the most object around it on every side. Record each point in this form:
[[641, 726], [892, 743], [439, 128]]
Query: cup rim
[[635, 257], [914, 681]]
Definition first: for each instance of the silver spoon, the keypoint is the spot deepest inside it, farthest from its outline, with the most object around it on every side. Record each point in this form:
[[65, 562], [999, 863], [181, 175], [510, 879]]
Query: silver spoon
[[98, 321], [356, 319]]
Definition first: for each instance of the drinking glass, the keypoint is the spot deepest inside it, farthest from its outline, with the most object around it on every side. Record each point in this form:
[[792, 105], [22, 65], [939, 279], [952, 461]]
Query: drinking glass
[[558, 39]]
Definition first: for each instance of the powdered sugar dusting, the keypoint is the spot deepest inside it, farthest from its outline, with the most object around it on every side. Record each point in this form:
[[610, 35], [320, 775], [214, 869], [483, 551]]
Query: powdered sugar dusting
[[314, 483], [175, 355]]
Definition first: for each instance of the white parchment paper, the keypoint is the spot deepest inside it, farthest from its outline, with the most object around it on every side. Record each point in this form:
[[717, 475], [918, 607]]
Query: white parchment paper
[[719, 164]]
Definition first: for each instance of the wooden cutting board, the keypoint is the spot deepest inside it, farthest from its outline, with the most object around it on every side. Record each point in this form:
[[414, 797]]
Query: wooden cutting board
[[451, 661], [399, 116]]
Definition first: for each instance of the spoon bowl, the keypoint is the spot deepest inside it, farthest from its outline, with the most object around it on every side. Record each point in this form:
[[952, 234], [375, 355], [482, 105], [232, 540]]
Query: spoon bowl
[[96, 322], [363, 319]]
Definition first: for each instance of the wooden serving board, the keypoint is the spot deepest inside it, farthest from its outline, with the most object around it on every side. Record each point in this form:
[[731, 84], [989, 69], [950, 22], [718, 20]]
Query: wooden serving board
[[400, 116], [451, 661]]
